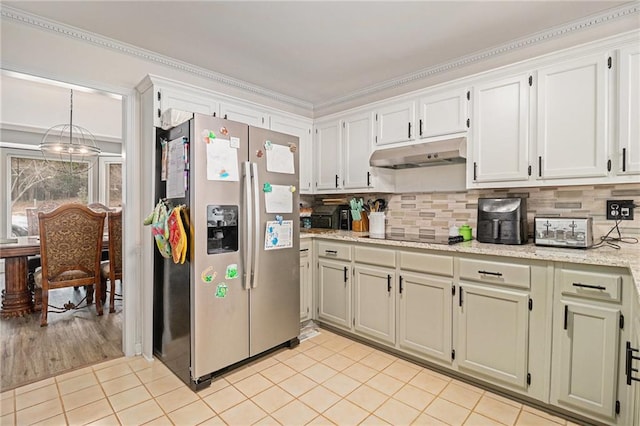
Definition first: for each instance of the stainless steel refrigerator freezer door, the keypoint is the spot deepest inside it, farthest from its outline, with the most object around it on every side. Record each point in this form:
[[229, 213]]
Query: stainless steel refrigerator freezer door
[[275, 292], [220, 302]]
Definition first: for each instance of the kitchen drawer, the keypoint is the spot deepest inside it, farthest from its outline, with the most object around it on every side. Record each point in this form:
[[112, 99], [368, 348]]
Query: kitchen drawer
[[334, 250], [509, 274], [375, 256], [591, 285], [426, 263]]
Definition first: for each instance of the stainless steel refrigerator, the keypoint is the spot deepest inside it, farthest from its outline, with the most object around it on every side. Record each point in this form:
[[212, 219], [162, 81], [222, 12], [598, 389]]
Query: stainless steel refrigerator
[[237, 294]]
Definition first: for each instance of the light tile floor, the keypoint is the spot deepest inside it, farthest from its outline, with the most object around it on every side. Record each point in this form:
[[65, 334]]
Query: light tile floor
[[328, 379]]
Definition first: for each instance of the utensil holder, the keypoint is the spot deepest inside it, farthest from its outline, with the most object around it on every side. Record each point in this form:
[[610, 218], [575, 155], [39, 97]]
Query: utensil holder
[[376, 226], [361, 225]]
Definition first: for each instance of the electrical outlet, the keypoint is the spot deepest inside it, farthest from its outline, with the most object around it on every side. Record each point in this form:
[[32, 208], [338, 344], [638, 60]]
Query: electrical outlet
[[620, 209]]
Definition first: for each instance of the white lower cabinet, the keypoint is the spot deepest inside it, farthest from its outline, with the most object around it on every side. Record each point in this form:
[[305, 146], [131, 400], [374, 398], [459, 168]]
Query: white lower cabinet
[[589, 340], [493, 333], [306, 281], [334, 283], [424, 315], [586, 366], [374, 302]]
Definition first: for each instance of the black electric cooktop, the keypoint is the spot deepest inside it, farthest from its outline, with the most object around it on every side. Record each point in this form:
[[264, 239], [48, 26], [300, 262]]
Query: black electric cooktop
[[424, 238]]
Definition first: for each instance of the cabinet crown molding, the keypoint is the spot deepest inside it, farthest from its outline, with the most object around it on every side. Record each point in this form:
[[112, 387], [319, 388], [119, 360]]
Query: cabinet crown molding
[[17, 15]]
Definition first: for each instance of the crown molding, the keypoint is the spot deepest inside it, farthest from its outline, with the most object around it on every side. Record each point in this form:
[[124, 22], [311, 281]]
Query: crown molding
[[22, 17], [124, 48], [540, 37]]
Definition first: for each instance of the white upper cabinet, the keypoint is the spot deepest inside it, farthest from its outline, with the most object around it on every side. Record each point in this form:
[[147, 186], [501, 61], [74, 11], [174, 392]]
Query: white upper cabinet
[[571, 117], [328, 154], [356, 148], [182, 99], [396, 123], [500, 130], [443, 114], [629, 109], [301, 129], [244, 114]]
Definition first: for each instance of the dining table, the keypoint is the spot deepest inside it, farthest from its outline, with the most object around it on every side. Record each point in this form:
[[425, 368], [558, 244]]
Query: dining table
[[17, 297]]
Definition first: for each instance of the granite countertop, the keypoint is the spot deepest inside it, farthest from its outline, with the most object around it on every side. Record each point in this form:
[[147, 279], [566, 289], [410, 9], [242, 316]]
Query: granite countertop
[[628, 256]]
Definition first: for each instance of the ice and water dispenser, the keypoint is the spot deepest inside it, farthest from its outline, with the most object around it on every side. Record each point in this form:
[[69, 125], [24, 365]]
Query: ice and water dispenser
[[222, 229]]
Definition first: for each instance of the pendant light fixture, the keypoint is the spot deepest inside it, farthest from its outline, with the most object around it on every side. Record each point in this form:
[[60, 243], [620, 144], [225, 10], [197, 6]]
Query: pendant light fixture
[[70, 143]]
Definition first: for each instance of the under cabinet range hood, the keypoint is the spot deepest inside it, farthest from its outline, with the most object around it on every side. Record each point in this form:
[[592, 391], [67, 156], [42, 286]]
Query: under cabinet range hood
[[435, 153]]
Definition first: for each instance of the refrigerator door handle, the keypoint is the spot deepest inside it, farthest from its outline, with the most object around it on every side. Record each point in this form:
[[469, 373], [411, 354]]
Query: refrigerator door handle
[[257, 230], [248, 248]]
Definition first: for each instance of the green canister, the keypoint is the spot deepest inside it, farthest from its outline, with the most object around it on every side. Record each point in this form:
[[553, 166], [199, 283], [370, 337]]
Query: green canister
[[465, 231]]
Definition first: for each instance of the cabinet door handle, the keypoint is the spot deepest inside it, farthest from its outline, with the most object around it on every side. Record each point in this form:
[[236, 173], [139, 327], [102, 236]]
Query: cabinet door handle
[[497, 274], [629, 370], [345, 274], [624, 159], [388, 283], [421, 127], [460, 297], [540, 166], [595, 287], [337, 181], [409, 130], [400, 279], [566, 316], [475, 170], [368, 178]]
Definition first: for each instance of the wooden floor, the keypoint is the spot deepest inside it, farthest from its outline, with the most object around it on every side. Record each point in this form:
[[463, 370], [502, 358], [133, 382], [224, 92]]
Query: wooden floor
[[72, 340]]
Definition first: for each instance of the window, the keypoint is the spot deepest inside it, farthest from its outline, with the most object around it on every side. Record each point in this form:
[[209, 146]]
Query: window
[[37, 184], [111, 181]]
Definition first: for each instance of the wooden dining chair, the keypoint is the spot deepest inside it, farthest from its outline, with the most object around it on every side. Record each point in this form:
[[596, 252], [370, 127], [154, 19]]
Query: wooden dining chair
[[70, 246], [112, 269]]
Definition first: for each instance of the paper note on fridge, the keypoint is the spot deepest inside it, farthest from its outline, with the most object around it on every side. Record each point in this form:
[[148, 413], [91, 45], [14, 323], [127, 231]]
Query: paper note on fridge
[[222, 160], [280, 159], [278, 235], [279, 200], [175, 168]]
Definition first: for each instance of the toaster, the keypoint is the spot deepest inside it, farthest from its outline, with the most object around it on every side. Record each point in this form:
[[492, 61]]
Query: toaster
[[556, 231], [502, 220]]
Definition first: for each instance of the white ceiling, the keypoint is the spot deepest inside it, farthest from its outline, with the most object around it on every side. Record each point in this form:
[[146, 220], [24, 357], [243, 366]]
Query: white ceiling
[[314, 51]]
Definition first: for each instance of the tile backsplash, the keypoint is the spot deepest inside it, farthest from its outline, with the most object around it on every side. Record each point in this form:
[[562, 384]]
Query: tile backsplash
[[422, 212]]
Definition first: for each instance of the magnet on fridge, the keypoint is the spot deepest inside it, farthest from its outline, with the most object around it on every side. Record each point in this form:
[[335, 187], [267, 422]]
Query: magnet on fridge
[[221, 290], [293, 147], [292, 188], [267, 187], [268, 145], [259, 153], [234, 142], [279, 219], [232, 272], [224, 131], [208, 275], [211, 136], [224, 174], [205, 135]]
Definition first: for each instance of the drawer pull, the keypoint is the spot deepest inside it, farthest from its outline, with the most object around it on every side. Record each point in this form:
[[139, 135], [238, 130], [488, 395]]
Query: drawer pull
[[332, 252], [595, 287], [304, 249], [495, 274], [629, 370]]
